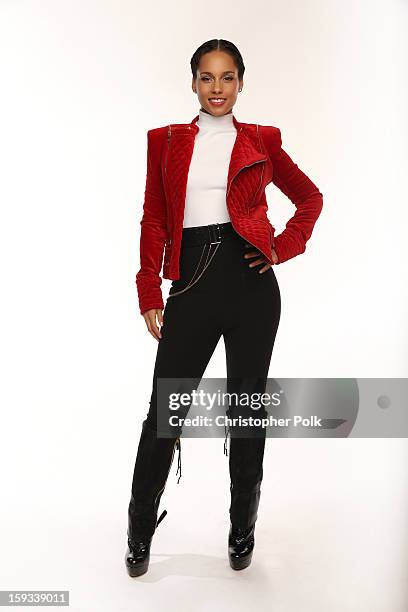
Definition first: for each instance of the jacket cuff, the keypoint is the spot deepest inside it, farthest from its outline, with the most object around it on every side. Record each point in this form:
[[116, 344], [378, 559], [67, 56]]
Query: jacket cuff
[[144, 307], [149, 297], [287, 247]]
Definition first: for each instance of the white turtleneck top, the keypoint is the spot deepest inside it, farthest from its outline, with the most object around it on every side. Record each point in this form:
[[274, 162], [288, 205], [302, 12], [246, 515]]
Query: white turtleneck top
[[208, 172]]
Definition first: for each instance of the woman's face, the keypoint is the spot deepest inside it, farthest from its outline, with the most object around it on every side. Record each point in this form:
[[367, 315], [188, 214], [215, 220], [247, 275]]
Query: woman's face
[[217, 78]]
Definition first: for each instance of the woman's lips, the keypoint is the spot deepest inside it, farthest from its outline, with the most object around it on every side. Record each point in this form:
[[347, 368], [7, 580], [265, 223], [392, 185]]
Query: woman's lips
[[216, 101]]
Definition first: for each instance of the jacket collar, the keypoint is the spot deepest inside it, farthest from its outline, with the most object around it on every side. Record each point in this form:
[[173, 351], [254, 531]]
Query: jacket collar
[[247, 149], [239, 126]]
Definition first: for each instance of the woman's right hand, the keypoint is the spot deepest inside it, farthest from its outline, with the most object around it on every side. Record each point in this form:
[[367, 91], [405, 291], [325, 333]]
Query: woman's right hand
[[152, 317]]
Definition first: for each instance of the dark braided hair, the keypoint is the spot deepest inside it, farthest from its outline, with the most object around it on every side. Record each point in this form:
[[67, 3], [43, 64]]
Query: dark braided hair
[[218, 44]]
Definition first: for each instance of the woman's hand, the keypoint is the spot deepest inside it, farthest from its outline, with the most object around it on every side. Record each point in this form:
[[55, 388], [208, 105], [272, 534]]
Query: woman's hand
[[152, 317], [261, 259]]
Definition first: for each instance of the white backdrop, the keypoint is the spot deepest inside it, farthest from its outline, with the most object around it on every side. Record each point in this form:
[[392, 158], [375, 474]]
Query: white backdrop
[[81, 83]]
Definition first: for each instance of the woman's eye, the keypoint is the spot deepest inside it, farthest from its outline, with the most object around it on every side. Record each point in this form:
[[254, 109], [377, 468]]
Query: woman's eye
[[228, 78]]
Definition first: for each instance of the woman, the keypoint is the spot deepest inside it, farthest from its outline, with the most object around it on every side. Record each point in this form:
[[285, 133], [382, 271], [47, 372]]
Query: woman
[[205, 207]]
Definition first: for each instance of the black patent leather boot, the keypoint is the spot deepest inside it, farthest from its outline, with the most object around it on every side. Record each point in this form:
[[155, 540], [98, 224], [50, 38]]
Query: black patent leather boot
[[153, 462], [241, 544], [137, 556], [246, 472], [241, 537]]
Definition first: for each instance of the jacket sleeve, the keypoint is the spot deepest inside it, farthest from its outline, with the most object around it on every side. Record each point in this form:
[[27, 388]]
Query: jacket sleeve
[[302, 192], [153, 231]]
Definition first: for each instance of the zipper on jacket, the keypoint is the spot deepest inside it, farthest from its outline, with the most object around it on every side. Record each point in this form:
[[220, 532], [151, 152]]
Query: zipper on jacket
[[168, 147], [255, 247], [263, 167], [229, 187], [258, 161], [165, 169], [260, 141], [259, 186]]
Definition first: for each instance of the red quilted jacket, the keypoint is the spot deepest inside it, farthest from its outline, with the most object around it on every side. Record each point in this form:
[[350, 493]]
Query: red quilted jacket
[[257, 159]]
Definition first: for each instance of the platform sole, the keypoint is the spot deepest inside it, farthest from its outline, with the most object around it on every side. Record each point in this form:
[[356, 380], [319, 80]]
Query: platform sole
[[239, 564], [138, 570]]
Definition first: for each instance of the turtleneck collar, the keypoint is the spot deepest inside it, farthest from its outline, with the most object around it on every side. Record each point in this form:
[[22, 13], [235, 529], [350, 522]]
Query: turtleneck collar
[[207, 121]]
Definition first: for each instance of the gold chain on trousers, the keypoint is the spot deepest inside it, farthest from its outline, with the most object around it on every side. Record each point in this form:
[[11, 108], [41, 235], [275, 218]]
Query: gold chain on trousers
[[207, 262]]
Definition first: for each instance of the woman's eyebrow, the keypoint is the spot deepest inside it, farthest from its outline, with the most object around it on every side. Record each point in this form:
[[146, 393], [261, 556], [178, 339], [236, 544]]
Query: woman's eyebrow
[[226, 72]]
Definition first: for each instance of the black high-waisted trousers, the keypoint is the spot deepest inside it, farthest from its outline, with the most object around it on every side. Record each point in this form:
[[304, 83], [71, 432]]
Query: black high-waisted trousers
[[218, 294]]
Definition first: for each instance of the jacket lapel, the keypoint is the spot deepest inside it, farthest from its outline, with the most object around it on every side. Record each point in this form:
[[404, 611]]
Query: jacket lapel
[[181, 144], [244, 152]]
